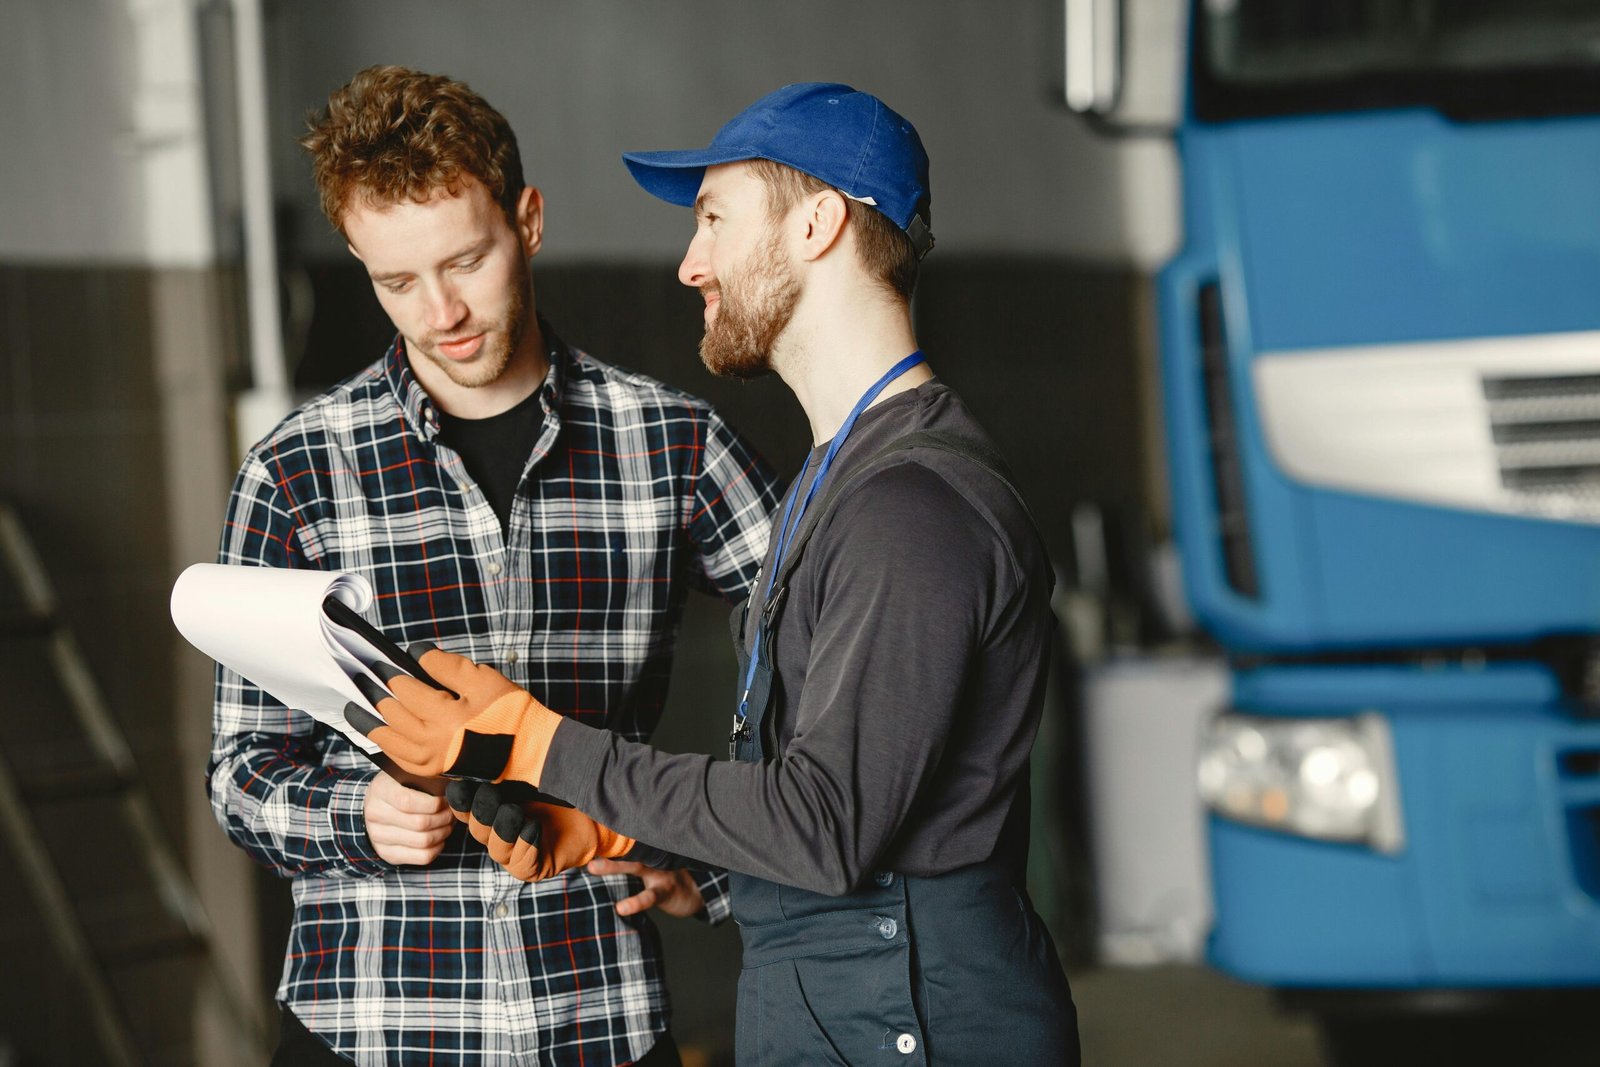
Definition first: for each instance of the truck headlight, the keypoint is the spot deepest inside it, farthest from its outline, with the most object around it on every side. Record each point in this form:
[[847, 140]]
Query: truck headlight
[[1331, 779]]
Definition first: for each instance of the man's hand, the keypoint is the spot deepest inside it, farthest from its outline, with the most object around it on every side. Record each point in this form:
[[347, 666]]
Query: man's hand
[[481, 726], [674, 892], [405, 826], [532, 841]]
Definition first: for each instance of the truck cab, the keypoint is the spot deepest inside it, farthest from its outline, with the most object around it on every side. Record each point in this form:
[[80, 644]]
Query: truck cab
[[1379, 352]]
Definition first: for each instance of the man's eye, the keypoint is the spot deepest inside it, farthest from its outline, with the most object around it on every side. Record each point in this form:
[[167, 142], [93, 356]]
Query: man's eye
[[469, 266], [397, 287]]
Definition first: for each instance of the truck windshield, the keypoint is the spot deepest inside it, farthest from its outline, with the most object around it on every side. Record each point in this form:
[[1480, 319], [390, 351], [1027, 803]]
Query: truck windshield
[[1467, 58]]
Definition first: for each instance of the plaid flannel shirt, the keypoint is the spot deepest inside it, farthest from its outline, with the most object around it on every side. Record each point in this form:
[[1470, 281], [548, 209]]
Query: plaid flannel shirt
[[633, 492]]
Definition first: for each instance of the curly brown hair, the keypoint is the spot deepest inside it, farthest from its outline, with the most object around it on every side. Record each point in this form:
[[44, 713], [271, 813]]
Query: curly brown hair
[[396, 134], [884, 249]]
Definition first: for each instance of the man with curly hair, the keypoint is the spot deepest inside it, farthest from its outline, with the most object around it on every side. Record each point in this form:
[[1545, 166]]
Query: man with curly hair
[[510, 498]]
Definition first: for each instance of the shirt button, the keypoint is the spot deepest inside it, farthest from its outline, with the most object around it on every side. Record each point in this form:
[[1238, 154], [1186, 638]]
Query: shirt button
[[887, 927], [501, 911], [906, 1043], [427, 413], [511, 657], [494, 568], [885, 878]]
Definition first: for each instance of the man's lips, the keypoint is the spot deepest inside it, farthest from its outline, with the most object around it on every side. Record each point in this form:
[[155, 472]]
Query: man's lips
[[465, 348], [712, 300]]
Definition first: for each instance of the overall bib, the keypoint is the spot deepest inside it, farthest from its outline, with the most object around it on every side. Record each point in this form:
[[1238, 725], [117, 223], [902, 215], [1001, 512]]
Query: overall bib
[[950, 969]]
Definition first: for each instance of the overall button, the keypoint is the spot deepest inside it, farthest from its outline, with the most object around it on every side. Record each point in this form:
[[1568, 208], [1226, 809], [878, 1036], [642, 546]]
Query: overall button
[[886, 927], [884, 878], [906, 1043]]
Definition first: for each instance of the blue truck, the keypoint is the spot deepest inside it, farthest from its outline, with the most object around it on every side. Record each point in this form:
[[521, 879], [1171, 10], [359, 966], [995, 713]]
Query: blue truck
[[1380, 366]]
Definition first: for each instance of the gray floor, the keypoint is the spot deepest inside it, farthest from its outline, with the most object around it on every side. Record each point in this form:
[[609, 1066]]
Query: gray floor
[[1185, 1016]]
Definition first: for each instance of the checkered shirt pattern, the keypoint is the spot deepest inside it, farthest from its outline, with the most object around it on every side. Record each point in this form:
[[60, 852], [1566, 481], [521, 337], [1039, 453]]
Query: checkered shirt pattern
[[633, 493]]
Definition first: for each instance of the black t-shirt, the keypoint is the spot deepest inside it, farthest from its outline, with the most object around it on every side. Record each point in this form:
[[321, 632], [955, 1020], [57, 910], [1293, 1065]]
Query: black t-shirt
[[911, 659], [495, 450]]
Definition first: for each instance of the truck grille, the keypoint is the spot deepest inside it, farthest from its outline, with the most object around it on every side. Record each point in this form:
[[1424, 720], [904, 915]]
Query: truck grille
[[1546, 434]]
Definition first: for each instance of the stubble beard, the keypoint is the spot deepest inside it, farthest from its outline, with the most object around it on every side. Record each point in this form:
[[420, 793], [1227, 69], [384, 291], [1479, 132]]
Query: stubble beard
[[501, 341], [756, 307]]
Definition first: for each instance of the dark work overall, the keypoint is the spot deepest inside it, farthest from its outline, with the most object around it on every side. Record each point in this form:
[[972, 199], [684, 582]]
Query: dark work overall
[[952, 969]]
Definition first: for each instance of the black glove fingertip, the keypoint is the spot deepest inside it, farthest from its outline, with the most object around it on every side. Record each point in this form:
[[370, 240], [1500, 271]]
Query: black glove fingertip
[[532, 831], [508, 822], [459, 793], [361, 718], [418, 649], [374, 692], [485, 803], [387, 671]]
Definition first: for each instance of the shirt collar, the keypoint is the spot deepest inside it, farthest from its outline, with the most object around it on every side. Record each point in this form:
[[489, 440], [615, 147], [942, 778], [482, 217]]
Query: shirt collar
[[422, 417]]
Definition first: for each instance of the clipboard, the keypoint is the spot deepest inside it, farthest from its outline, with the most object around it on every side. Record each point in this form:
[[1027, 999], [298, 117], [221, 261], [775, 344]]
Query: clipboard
[[299, 636]]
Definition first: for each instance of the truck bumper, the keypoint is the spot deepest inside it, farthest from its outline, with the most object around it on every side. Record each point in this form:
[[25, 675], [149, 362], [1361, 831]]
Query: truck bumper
[[1498, 884]]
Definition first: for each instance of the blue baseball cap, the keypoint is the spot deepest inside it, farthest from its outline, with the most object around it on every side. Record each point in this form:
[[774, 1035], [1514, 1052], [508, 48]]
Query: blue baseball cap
[[849, 139]]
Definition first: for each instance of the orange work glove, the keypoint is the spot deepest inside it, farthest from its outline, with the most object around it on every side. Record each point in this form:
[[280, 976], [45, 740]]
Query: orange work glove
[[481, 726], [535, 840]]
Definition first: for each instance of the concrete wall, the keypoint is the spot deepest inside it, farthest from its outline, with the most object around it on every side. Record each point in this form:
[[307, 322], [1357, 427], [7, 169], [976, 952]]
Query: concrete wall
[[68, 133], [95, 93], [583, 80], [104, 128]]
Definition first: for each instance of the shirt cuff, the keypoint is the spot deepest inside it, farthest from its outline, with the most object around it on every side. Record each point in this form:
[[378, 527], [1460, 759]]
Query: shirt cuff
[[347, 818], [713, 887]]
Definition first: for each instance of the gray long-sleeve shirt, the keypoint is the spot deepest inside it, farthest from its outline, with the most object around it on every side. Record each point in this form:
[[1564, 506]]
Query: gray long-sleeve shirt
[[911, 662]]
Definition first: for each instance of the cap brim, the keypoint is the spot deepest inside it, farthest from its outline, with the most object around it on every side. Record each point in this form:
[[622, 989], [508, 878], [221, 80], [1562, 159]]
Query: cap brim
[[675, 176]]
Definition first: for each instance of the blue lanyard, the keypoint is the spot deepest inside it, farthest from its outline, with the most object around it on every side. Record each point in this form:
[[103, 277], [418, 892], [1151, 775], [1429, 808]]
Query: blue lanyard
[[787, 530]]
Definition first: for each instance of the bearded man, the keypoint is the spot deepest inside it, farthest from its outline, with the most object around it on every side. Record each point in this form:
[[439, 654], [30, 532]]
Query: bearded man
[[511, 498], [874, 806]]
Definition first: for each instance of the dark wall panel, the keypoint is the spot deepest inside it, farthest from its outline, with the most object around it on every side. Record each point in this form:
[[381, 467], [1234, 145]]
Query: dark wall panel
[[81, 456]]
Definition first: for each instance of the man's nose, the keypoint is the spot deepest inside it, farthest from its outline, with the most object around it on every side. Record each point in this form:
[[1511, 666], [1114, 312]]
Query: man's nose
[[695, 270], [445, 308]]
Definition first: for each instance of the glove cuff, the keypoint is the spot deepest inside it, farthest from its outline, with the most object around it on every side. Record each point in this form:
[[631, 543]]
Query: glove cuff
[[611, 844], [530, 742]]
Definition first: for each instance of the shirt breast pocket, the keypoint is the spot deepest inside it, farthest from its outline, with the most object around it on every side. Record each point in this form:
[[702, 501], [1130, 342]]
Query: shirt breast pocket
[[604, 582]]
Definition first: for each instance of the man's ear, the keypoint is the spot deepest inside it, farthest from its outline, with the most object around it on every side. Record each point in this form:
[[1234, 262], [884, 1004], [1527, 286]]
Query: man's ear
[[530, 220], [824, 215]]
